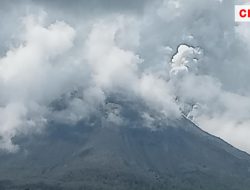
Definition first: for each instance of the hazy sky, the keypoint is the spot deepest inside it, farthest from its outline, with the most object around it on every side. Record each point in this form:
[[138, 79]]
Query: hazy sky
[[179, 56]]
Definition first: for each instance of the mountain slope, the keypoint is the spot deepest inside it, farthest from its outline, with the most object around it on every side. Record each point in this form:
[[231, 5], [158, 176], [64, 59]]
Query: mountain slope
[[98, 153]]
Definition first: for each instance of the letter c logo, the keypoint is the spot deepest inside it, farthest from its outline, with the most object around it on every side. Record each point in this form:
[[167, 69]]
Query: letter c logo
[[243, 13]]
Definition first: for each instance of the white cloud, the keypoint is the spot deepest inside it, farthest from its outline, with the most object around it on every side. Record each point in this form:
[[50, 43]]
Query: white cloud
[[202, 98], [115, 68], [30, 79], [184, 61], [111, 66], [157, 94]]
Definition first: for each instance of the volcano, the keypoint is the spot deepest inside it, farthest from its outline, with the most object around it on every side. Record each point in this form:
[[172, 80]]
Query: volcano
[[117, 148]]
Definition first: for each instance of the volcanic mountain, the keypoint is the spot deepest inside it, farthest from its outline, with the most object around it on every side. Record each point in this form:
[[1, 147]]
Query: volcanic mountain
[[124, 146]]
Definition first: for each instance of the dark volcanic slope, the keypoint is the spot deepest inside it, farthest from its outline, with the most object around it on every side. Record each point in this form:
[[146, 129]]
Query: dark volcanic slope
[[99, 154]]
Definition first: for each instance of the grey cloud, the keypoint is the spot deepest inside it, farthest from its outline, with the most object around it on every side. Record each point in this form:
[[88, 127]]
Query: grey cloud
[[83, 7]]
